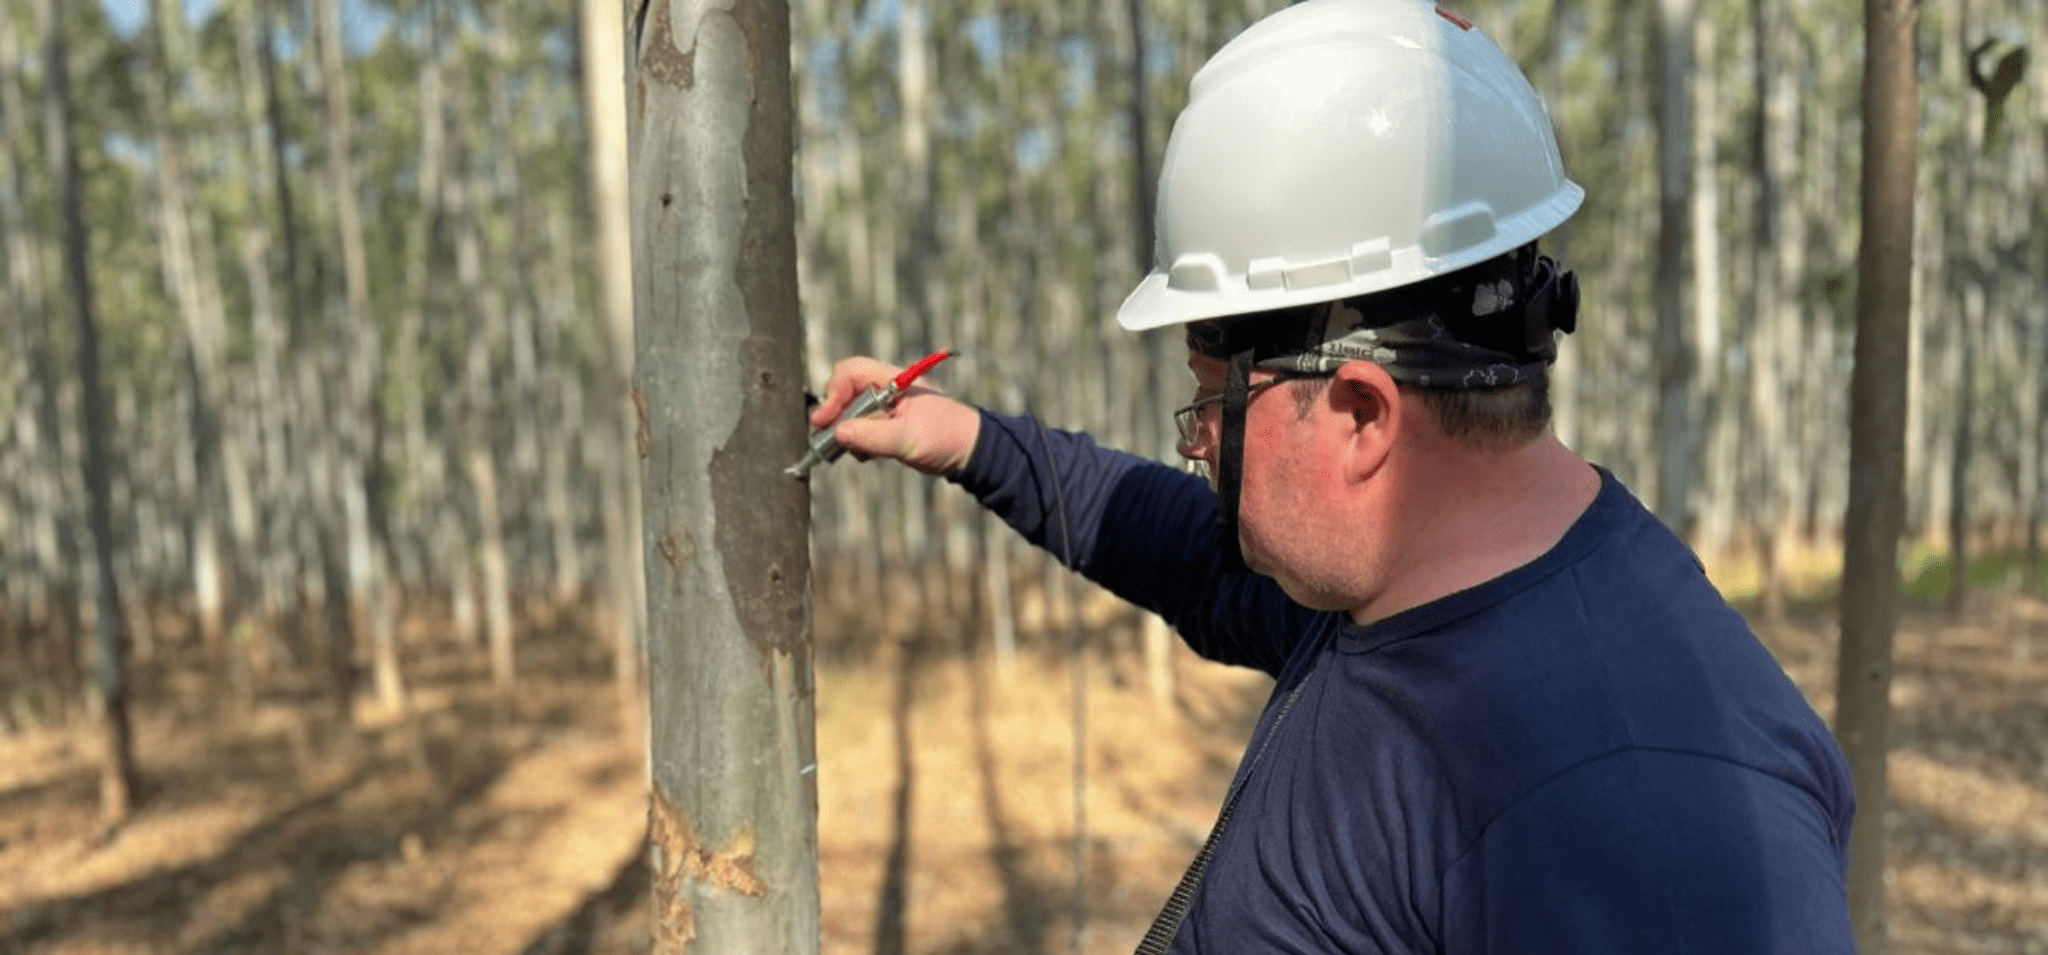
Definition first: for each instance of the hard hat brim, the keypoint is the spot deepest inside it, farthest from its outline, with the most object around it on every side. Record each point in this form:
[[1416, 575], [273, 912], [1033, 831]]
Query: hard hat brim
[[1157, 302]]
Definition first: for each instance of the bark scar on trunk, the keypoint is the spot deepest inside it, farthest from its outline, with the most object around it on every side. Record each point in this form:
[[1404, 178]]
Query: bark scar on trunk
[[678, 861], [766, 573], [660, 59], [671, 547]]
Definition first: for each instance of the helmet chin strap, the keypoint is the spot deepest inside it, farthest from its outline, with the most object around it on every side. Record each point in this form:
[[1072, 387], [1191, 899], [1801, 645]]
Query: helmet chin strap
[[1230, 455]]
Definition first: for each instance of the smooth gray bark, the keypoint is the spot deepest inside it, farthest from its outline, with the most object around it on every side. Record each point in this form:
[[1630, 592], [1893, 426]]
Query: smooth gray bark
[[720, 376]]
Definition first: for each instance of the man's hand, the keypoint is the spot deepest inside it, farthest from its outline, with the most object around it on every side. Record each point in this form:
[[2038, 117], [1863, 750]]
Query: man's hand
[[926, 430]]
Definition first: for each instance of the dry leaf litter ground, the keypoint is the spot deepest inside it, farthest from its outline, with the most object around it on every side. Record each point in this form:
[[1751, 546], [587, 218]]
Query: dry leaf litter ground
[[946, 789]]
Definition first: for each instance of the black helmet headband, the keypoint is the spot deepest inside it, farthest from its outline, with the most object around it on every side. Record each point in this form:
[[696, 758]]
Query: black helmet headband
[[1488, 326]]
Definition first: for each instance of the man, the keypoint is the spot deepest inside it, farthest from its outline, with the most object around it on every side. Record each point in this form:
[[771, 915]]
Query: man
[[1511, 713]]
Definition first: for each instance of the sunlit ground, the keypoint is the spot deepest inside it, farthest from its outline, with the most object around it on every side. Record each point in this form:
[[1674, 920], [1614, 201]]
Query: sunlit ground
[[475, 825]]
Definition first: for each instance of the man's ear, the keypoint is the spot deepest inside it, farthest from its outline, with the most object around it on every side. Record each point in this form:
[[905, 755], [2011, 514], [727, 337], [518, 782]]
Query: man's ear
[[1364, 393]]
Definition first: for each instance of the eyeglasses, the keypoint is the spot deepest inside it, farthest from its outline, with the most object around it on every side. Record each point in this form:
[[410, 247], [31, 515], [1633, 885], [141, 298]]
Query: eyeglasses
[[1188, 419]]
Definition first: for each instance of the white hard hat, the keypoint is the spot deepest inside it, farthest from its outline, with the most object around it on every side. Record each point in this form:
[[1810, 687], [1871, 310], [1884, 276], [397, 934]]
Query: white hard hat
[[1343, 147]]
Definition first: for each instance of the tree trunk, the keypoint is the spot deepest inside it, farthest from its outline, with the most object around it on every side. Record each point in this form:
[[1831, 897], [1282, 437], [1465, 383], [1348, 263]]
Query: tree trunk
[[425, 292], [287, 213], [1768, 317], [719, 356], [1002, 604], [2034, 443], [2038, 441], [117, 757], [1713, 389], [269, 392], [38, 417], [1962, 448], [604, 88], [908, 329], [1877, 399], [196, 290], [515, 270], [1566, 376], [480, 423], [2037, 471], [1676, 426], [497, 576], [370, 605]]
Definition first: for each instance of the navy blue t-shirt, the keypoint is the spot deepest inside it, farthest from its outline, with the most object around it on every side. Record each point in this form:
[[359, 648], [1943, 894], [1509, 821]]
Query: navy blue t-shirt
[[1591, 753]]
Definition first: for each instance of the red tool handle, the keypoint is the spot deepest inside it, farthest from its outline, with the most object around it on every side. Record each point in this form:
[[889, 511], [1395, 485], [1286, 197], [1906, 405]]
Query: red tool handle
[[923, 365]]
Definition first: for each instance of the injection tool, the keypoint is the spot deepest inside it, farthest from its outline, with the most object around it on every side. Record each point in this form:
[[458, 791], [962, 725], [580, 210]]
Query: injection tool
[[825, 447]]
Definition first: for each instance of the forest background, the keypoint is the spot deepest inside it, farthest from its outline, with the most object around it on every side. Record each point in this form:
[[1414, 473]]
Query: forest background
[[368, 462]]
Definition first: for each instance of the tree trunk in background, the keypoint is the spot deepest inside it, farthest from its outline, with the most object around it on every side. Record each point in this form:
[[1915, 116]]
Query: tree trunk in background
[[2034, 473], [734, 803], [1877, 402], [1790, 118], [1767, 317], [1157, 638], [425, 290], [287, 213], [37, 418], [516, 268], [484, 189], [1967, 334], [370, 606], [117, 757], [604, 86], [306, 505], [1713, 385], [1676, 427], [908, 329], [497, 576], [196, 290], [561, 314], [2038, 513], [269, 394]]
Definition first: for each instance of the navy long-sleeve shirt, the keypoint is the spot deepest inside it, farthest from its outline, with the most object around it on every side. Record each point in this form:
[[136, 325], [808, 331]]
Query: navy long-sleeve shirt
[[1591, 753]]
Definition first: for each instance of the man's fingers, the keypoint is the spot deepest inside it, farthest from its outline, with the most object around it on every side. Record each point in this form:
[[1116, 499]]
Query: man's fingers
[[925, 429], [868, 436], [849, 379]]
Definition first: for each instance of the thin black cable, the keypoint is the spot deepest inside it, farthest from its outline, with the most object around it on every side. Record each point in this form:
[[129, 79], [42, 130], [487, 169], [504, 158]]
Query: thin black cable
[[1166, 925], [1080, 697]]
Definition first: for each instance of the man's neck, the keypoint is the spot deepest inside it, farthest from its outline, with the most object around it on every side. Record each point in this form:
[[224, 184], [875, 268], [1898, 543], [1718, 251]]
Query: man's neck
[[1466, 517]]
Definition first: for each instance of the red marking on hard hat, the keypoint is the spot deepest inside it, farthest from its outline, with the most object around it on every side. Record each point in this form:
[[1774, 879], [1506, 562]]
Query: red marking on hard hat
[[1463, 24]]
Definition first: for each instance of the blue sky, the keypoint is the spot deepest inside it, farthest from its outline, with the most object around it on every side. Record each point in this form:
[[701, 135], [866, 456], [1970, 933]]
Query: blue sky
[[362, 25]]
